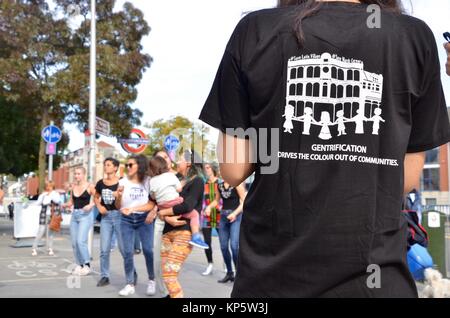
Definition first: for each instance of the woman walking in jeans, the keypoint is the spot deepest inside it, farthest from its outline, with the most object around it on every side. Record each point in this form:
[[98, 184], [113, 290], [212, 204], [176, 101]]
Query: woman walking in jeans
[[82, 220], [106, 189], [230, 223], [134, 203]]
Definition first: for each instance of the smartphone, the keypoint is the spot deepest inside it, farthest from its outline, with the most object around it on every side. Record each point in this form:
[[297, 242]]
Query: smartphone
[[447, 36]]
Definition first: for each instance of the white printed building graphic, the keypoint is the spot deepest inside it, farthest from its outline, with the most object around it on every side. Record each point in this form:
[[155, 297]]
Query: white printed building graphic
[[330, 91]]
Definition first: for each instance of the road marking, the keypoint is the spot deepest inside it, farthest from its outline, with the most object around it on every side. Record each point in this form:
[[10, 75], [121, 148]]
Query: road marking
[[32, 279]]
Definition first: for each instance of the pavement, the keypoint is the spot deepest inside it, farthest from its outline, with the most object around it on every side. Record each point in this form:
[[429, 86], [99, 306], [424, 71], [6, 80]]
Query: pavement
[[25, 276]]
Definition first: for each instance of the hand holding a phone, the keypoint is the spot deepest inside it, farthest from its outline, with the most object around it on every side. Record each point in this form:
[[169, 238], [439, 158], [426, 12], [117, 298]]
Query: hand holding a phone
[[447, 48]]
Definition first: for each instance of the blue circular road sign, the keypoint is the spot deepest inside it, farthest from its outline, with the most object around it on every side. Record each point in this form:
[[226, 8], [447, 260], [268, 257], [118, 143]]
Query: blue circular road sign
[[51, 134], [171, 143]]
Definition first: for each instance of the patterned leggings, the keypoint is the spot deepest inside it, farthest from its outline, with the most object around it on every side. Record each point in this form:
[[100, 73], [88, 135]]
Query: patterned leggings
[[174, 251]]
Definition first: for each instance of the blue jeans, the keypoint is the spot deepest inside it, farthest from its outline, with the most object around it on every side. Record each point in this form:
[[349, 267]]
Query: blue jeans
[[129, 226], [109, 224], [137, 241], [80, 225], [229, 233]]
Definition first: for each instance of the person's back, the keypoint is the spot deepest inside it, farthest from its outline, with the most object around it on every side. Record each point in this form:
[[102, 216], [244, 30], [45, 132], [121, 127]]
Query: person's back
[[333, 207]]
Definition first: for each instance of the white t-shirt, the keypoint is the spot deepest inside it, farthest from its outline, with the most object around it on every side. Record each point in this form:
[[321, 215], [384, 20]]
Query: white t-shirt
[[164, 187], [135, 194], [46, 198]]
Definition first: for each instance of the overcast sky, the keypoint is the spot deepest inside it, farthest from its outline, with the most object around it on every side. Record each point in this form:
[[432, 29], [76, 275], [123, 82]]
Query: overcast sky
[[187, 41]]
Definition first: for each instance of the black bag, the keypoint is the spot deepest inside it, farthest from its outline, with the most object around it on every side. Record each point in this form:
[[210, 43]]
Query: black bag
[[416, 232]]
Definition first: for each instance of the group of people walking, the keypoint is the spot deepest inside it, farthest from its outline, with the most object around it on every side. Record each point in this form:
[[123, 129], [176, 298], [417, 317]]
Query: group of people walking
[[166, 209]]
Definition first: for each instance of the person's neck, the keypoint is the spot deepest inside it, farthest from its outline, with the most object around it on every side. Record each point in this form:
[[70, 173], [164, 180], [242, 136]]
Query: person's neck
[[110, 176], [133, 179], [212, 179]]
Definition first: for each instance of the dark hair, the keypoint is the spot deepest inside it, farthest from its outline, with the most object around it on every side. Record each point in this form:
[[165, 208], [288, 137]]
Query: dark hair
[[196, 167], [311, 7], [214, 168], [155, 153], [114, 161], [157, 166], [142, 163]]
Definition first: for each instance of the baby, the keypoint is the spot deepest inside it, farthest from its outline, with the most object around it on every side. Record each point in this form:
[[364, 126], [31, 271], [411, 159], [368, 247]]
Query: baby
[[165, 188]]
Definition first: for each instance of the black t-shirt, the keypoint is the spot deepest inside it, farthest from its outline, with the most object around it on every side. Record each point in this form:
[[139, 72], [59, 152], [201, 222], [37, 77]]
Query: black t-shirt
[[230, 197], [106, 192], [348, 105], [192, 195]]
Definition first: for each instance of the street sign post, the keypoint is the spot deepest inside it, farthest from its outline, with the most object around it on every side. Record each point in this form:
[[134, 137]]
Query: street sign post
[[102, 126], [51, 135], [50, 149]]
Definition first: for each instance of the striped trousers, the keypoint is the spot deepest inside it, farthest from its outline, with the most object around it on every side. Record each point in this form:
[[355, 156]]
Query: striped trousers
[[174, 251]]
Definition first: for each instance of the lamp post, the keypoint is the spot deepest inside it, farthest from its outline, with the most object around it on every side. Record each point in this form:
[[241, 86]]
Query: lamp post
[[92, 94]]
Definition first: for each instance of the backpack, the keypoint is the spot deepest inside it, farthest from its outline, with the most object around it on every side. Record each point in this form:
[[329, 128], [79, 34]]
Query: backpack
[[416, 232]]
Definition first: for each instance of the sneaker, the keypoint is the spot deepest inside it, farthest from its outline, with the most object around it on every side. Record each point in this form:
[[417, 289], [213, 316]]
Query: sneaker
[[127, 290], [197, 241], [50, 252], [84, 271], [137, 251], [151, 288], [33, 252], [76, 270], [103, 282], [208, 270]]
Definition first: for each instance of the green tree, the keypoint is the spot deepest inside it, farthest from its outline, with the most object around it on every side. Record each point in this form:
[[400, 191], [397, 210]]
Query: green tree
[[46, 62], [19, 139], [191, 136]]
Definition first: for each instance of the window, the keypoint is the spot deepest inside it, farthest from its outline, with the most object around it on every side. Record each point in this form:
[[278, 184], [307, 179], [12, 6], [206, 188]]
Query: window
[[350, 75], [325, 90], [292, 89], [333, 72], [341, 75], [300, 72], [432, 156], [316, 89], [300, 89], [309, 89], [333, 91], [326, 69], [293, 73], [356, 91], [430, 201], [317, 71], [340, 91], [356, 75], [431, 179], [349, 91], [309, 72]]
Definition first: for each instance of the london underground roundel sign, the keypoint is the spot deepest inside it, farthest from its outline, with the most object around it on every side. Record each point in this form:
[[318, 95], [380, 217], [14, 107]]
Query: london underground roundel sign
[[137, 142]]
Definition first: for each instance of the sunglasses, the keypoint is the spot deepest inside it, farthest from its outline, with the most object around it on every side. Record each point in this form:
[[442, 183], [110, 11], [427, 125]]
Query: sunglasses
[[129, 165]]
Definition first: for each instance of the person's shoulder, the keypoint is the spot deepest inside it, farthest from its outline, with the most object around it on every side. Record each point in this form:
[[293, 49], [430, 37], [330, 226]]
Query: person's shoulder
[[268, 13], [413, 26], [99, 183], [264, 18], [199, 180]]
